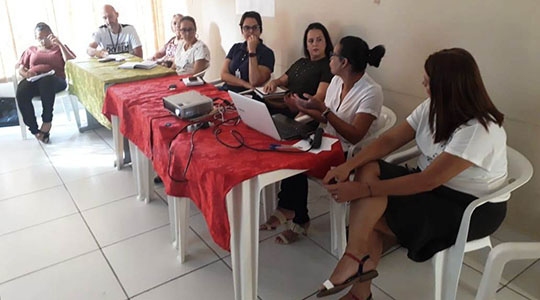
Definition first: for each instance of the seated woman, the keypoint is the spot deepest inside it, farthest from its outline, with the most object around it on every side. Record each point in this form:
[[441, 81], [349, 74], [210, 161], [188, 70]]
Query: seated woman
[[165, 55], [192, 55], [463, 156], [49, 55], [353, 102], [248, 64], [310, 74]]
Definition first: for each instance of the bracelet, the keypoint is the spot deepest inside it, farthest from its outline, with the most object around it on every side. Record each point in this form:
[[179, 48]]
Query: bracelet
[[369, 188], [325, 113]]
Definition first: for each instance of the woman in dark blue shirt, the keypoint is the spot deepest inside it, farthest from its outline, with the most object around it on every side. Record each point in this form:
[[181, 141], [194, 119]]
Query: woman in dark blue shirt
[[248, 64]]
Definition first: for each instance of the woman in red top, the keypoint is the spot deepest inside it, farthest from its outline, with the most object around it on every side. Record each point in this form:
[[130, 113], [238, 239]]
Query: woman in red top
[[49, 55]]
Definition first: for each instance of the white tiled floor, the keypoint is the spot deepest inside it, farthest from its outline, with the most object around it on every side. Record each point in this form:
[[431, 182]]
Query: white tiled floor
[[71, 228]]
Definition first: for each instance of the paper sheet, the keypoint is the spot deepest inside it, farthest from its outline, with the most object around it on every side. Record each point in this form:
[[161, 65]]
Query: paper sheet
[[326, 144], [38, 77]]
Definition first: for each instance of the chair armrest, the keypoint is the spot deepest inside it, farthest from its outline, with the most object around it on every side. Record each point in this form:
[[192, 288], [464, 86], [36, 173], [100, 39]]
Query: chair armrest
[[403, 156]]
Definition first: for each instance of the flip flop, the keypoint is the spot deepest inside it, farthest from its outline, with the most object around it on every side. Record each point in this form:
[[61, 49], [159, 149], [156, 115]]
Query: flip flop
[[360, 276], [282, 219]]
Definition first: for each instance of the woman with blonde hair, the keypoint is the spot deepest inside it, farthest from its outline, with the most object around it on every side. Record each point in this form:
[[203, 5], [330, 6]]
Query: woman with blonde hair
[[165, 55]]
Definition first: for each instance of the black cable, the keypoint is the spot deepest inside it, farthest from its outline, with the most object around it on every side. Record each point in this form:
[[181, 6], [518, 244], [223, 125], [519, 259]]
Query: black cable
[[241, 143]]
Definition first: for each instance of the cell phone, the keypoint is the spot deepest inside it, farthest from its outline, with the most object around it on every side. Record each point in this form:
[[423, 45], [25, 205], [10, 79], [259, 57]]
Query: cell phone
[[193, 79], [301, 96]]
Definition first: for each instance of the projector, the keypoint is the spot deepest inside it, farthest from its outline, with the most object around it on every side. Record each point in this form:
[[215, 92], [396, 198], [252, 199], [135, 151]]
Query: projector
[[188, 105]]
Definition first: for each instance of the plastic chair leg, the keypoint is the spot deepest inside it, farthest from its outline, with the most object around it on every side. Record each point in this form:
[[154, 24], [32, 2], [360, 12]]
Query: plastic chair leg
[[438, 271]]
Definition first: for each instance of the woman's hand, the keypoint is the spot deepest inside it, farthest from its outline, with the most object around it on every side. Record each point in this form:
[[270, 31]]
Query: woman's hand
[[338, 174], [309, 104], [348, 191], [29, 74], [270, 87], [54, 39], [252, 43]]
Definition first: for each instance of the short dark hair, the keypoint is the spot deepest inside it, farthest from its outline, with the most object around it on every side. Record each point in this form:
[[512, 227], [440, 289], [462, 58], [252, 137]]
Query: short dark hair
[[357, 52], [252, 14], [457, 93], [189, 19], [41, 26], [318, 26]]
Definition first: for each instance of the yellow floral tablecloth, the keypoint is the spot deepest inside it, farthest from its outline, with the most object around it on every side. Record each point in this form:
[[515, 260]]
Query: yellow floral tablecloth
[[88, 79]]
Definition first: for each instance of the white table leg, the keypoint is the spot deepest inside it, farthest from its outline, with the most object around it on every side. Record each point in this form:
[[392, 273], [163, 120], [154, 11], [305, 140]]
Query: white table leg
[[143, 170], [337, 228], [118, 142], [243, 203], [173, 220], [179, 223]]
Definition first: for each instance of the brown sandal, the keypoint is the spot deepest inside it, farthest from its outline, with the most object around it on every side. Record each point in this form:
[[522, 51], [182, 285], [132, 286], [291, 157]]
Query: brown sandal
[[360, 276]]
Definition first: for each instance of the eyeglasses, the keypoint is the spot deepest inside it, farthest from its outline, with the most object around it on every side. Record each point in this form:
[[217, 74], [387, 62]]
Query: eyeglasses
[[252, 28], [186, 30], [332, 53]]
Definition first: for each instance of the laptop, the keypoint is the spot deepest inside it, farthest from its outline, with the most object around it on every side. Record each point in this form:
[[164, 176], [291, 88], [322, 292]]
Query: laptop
[[256, 115]]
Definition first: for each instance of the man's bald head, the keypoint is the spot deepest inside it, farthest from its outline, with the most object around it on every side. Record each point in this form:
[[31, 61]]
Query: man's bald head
[[110, 16]]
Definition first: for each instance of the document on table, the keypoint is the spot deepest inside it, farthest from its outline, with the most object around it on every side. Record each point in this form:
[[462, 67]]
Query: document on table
[[147, 64], [38, 77], [326, 144]]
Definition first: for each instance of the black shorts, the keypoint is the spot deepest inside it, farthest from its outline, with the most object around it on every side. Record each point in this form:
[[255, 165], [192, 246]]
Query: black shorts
[[428, 222]]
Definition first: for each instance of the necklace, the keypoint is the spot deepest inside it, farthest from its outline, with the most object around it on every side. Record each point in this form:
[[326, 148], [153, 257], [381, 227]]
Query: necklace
[[117, 37]]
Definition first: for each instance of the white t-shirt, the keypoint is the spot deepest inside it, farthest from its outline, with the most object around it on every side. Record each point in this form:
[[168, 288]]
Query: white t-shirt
[[123, 42], [485, 149], [365, 97], [185, 59]]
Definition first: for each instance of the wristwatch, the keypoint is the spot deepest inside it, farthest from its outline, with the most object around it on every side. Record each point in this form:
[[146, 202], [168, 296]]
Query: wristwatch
[[252, 54], [325, 113]]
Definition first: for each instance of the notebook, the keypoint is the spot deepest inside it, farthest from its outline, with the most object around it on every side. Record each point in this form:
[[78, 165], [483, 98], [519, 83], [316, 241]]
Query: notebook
[[256, 115]]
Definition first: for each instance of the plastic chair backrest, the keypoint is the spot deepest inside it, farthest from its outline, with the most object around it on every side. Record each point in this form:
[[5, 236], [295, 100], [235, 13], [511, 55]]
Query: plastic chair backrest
[[387, 120]]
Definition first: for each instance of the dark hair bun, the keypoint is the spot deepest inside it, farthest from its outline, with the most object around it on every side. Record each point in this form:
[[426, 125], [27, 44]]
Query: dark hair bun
[[375, 55]]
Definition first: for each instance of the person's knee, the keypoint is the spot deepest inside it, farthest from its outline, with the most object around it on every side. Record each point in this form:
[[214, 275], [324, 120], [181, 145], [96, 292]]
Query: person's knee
[[369, 170]]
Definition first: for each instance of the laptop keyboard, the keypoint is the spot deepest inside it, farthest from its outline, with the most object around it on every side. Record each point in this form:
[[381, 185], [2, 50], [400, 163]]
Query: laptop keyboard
[[289, 128]]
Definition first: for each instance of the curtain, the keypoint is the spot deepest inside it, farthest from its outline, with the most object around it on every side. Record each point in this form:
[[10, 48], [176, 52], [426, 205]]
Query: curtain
[[74, 21]]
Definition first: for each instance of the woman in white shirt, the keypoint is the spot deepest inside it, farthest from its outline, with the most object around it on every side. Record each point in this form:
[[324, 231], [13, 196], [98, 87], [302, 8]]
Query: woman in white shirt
[[463, 156], [351, 107], [192, 55]]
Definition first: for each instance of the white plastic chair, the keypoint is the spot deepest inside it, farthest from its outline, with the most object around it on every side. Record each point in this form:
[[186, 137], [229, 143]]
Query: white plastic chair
[[338, 211], [497, 258], [62, 94], [447, 263]]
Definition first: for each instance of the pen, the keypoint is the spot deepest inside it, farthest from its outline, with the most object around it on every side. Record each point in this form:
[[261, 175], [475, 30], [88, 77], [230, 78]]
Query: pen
[[280, 146]]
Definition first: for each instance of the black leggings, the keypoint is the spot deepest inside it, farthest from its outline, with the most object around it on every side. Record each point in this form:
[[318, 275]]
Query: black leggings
[[46, 88], [293, 196]]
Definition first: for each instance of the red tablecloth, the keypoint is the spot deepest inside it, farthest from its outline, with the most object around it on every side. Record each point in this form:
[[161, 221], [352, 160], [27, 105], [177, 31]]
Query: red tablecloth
[[213, 169]]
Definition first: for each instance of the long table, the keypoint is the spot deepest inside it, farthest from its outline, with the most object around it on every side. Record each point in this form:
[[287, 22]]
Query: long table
[[224, 183], [88, 79]]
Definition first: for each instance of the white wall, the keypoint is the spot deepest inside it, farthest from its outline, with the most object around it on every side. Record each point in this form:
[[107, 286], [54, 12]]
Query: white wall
[[503, 36]]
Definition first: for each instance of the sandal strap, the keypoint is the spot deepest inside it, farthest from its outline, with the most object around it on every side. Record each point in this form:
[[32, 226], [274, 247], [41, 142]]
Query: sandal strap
[[360, 261], [328, 284], [300, 229], [280, 216]]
